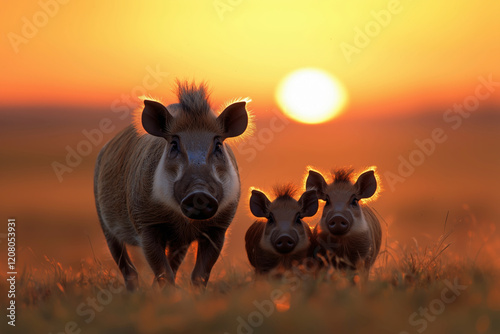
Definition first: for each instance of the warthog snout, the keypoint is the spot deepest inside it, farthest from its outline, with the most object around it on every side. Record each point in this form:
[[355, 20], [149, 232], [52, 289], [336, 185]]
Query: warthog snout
[[199, 205], [284, 244], [338, 225]]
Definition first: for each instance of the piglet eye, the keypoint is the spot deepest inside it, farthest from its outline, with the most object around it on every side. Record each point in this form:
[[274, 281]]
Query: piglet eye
[[355, 202], [174, 148], [270, 219], [297, 220], [327, 200], [218, 146]]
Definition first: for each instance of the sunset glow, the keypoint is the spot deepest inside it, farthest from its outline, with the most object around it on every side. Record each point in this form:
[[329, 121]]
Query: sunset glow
[[311, 96], [80, 55], [136, 138]]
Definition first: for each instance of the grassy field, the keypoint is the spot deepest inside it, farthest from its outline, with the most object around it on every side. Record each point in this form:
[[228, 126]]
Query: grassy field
[[67, 282], [410, 290]]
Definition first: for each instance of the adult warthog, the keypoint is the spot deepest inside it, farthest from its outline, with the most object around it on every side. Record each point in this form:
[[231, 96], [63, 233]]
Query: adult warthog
[[170, 180]]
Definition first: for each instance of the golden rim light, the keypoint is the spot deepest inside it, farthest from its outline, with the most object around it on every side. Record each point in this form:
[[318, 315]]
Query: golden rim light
[[311, 96]]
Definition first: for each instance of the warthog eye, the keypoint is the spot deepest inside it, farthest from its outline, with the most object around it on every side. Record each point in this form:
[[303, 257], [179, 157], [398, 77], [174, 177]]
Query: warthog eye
[[217, 146], [355, 202], [174, 148]]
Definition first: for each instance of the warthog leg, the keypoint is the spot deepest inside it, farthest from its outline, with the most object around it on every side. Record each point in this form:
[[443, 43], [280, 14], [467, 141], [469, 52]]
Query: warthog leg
[[209, 248], [120, 255], [153, 244], [176, 253]]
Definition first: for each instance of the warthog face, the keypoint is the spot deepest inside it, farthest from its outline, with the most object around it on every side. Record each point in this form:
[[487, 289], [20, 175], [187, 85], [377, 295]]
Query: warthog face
[[198, 164], [342, 214], [284, 232], [196, 175]]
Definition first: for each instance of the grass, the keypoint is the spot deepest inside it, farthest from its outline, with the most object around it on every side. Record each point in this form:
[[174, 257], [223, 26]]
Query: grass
[[53, 220], [404, 294]]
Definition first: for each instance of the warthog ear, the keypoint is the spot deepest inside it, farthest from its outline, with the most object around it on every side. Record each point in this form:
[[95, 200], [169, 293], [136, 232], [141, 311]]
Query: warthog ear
[[316, 181], [234, 119], [366, 184], [259, 204], [155, 117], [308, 203]]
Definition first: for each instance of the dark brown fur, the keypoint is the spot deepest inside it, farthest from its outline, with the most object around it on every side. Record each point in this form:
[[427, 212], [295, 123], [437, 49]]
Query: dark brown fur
[[283, 218], [361, 244], [131, 212]]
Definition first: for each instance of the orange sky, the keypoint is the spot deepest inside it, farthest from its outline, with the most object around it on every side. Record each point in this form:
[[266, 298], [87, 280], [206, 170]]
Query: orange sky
[[90, 52]]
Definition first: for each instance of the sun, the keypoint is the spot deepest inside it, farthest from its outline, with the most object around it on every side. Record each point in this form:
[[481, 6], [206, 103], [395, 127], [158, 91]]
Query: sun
[[311, 96]]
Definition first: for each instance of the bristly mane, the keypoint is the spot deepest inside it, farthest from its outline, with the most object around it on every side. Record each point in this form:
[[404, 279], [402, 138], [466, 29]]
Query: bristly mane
[[195, 112], [191, 113], [342, 175], [285, 191], [193, 100]]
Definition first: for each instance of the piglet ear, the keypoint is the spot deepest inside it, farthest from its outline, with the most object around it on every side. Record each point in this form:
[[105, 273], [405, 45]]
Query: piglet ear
[[234, 119], [366, 184], [155, 118], [259, 204], [316, 181], [308, 203]]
